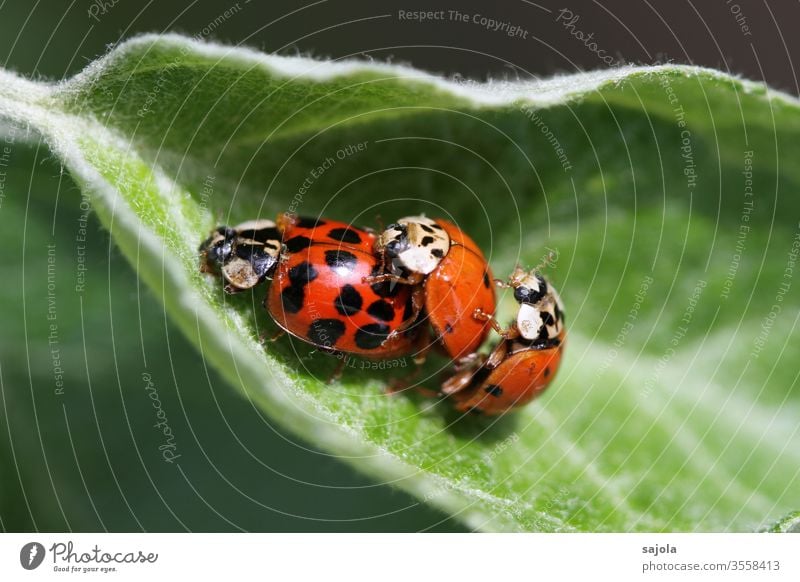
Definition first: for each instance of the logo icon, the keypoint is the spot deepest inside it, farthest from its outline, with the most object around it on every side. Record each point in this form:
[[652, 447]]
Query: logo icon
[[31, 555]]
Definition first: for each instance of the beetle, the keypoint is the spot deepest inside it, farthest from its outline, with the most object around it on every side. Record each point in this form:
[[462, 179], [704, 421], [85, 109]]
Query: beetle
[[450, 276], [524, 362], [245, 255], [318, 292], [321, 292]]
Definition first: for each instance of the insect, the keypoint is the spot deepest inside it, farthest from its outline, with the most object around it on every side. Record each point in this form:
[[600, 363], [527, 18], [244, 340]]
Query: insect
[[318, 292], [525, 360], [322, 293], [450, 277], [245, 255]]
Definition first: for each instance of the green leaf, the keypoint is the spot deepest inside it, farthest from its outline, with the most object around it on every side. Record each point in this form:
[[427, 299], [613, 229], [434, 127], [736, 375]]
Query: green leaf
[[677, 403]]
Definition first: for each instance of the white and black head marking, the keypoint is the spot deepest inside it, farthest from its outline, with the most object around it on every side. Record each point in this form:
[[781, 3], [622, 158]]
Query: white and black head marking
[[540, 318], [245, 254], [414, 244]]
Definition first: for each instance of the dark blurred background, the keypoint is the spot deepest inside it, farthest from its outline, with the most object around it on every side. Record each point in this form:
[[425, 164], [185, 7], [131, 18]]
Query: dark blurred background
[[85, 470], [750, 37]]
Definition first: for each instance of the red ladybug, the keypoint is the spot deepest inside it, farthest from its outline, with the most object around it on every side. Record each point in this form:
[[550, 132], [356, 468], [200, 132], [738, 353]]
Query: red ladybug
[[318, 293], [525, 361], [450, 275], [321, 291]]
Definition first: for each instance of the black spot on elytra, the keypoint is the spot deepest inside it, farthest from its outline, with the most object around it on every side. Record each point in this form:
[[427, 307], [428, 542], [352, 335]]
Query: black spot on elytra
[[371, 336], [448, 328], [297, 243], [382, 310], [486, 282], [292, 299], [426, 228], [493, 390], [325, 332], [349, 301], [304, 222], [546, 372], [426, 240], [340, 259], [386, 288], [302, 274], [346, 235], [438, 253]]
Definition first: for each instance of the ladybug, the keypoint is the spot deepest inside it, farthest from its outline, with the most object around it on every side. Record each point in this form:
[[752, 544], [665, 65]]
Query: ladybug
[[450, 277], [526, 359], [245, 255], [319, 293]]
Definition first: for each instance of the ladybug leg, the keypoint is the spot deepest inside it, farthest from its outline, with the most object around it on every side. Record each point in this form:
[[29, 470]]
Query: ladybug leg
[[277, 335], [513, 280], [263, 339], [417, 305], [509, 333], [233, 290], [379, 222], [422, 345], [497, 355], [466, 368], [470, 361], [383, 277], [336, 375], [457, 382]]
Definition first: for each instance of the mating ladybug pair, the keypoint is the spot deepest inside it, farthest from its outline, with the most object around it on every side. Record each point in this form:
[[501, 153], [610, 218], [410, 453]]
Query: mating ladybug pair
[[348, 290]]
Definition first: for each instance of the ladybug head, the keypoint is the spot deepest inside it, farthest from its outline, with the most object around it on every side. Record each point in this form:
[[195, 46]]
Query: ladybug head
[[540, 317], [528, 288], [218, 247], [245, 255], [415, 244]]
